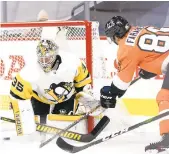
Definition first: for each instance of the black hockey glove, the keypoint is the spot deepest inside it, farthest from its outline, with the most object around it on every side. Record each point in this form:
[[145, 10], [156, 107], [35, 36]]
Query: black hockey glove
[[107, 100], [108, 95], [146, 75]]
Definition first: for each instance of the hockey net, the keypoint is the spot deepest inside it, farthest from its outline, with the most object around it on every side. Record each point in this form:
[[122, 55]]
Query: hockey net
[[19, 40]]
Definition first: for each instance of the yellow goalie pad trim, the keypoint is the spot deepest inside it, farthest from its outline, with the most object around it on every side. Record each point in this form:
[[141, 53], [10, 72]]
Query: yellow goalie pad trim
[[17, 117], [57, 117]]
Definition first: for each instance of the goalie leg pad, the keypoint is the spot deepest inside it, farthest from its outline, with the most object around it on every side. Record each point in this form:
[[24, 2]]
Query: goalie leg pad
[[24, 117]]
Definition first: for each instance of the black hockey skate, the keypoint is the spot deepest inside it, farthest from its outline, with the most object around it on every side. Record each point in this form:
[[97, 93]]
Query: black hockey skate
[[159, 146]]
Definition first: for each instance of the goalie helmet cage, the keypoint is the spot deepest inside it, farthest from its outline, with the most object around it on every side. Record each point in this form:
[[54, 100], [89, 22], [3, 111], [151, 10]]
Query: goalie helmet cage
[[81, 37]]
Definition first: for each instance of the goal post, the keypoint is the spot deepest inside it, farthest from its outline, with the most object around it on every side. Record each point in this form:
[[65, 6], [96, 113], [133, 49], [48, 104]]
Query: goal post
[[18, 43], [82, 30]]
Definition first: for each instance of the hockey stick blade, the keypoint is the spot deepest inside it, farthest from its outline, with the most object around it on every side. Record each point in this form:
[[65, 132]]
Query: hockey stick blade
[[69, 134], [73, 149], [68, 127], [97, 129]]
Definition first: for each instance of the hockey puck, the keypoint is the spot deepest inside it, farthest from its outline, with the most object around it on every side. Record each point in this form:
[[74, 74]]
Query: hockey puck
[[6, 138]]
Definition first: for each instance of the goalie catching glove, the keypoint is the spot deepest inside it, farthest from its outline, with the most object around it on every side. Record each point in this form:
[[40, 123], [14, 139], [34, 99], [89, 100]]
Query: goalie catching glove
[[85, 98]]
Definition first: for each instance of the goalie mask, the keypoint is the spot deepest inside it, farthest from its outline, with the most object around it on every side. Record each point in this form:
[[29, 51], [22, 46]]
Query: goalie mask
[[47, 50]]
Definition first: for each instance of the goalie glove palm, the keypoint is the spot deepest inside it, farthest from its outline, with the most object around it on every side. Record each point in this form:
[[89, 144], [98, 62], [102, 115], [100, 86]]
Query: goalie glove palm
[[85, 97]]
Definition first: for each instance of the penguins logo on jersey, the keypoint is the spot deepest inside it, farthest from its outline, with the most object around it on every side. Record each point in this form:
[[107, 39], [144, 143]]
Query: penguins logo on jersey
[[60, 92]]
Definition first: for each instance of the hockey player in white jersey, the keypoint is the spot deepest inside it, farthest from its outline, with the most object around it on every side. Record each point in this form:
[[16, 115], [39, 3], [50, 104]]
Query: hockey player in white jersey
[[57, 79]]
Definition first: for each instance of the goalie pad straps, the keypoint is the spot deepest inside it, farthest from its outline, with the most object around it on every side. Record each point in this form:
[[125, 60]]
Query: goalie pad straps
[[24, 117]]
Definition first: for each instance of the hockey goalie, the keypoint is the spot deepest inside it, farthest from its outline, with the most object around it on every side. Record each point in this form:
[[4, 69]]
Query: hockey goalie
[[58, 84]]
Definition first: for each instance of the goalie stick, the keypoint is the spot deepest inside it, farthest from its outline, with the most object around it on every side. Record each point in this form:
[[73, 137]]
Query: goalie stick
[[73, 149], [69, 134], [70, 126], [76, 122], [135, 80]]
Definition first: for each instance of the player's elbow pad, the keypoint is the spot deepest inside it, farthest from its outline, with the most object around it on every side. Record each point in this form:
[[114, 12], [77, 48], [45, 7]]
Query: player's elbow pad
[[146, 75], [116, 91]]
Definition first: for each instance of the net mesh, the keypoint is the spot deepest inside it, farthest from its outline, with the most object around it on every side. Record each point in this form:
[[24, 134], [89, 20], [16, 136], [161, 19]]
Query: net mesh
[[33, 34], [66, 34]]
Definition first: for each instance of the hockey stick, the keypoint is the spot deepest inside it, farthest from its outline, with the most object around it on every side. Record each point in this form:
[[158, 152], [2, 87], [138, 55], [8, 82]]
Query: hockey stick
[[134, 81], [69, 134], [70, 126], [73, 149]]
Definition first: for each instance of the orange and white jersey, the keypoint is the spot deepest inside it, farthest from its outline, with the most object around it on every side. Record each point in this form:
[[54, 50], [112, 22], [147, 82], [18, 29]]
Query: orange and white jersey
[[144, 47]]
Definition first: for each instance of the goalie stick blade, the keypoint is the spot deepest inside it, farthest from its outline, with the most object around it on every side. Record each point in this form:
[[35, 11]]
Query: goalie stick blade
[[97, 130], [74, 135], [73, 149]]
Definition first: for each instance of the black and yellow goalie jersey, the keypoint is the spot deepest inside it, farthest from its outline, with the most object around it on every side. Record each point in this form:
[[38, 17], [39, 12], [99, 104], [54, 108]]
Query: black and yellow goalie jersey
[[56, 86]]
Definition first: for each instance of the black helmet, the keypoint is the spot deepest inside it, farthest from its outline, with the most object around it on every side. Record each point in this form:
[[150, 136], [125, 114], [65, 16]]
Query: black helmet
[[116, 26]]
